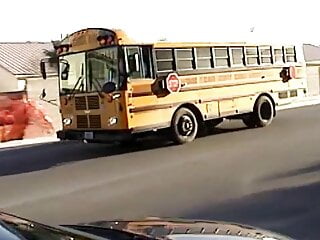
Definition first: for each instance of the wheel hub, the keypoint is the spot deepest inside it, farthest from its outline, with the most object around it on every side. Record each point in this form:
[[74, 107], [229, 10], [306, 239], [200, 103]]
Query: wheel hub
[[185, 125]]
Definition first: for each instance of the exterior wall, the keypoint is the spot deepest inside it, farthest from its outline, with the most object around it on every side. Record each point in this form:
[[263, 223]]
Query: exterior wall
[[34, 88], [8, 81], [313, 79]]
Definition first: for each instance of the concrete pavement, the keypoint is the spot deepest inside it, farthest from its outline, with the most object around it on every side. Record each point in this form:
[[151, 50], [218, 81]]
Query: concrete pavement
[[268, 177]]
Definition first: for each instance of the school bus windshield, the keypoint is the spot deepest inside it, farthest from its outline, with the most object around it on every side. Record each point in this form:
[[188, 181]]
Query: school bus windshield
[[89, 71]]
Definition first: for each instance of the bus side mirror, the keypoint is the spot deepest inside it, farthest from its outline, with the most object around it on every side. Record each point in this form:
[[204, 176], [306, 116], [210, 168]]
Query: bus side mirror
[[285, 74], [65, 70], [43, 69], [43, 94], [109, 87]]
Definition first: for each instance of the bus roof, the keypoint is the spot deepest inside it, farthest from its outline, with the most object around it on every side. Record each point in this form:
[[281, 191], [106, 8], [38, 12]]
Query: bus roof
[[166, 44], [88, 39]]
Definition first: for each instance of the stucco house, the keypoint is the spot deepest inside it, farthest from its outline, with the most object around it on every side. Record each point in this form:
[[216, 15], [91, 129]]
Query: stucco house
[[312, 58], [20, 69], [19, 61]]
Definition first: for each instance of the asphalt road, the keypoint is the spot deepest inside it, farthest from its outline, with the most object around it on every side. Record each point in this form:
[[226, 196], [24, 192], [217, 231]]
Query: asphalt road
[[267, 177]]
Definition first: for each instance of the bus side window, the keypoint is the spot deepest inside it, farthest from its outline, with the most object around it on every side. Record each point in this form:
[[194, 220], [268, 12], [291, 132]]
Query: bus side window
[[147, 60], [134, 66], [139, 62]]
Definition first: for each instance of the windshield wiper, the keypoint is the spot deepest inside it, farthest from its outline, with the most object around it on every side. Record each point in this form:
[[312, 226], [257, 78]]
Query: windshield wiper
[[79, 81]]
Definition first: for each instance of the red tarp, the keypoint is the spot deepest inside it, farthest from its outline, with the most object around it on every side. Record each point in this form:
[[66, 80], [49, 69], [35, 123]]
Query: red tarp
[[21, 118]]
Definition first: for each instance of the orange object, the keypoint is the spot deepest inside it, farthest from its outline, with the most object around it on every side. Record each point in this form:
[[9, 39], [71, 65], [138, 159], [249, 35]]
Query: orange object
[[20, 119], [38, 124]]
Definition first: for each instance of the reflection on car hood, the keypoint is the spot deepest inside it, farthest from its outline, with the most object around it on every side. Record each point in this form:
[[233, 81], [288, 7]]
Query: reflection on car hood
[[152, 229], [178, 229]]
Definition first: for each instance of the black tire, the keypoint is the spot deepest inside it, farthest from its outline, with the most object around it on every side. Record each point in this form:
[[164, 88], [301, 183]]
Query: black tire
[[210, 125], [262, 115], [213, 123], [130, 142], [184, 126], [249, 120]]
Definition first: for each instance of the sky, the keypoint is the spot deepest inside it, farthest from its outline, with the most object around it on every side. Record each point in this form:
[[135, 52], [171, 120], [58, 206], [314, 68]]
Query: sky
[[175, 20]]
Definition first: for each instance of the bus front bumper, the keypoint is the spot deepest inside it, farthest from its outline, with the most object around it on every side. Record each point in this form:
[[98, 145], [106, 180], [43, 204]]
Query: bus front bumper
[[94, 136]]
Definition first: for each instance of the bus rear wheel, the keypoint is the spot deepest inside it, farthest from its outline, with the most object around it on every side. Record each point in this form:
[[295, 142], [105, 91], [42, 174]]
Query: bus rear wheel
[[262, 115], [184, 127]]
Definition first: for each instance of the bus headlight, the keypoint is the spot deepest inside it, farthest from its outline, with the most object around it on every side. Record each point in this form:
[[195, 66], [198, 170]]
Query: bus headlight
[[67, 121], [112, 121]]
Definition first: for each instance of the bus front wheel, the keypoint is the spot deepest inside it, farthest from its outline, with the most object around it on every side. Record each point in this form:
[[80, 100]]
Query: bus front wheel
[[184, 126], [262, 115]]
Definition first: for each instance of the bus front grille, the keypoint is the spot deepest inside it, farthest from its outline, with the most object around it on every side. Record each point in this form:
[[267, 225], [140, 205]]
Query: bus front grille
[[95, 121], [88, 121], [87, 103], [82, 121], [93, 102], [80, 103]]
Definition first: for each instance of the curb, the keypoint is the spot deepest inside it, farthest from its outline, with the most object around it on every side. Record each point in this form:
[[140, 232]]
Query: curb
[[27, 142], [304, 103]]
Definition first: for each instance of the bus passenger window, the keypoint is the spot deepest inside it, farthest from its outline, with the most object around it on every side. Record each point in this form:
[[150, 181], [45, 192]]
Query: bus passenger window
[[139, 62], [164, 60], [146, 59], [252, 56], [134, 67], [203, 58], [265, 53], [237, 56], [278, 55], [290, 54], [221, 57], [184, 58]]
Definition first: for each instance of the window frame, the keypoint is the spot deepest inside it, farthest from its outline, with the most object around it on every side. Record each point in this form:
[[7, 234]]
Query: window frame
[[177, 59], [247, 56], [274, 48], [196, 58], [286, 55], [215, 57], [142, 70], [266, 56], [257, 52], [156, 60], [231, 56]]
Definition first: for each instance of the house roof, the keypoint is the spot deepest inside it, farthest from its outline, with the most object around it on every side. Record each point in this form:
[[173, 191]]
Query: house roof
[[23, 58], [311, 52]]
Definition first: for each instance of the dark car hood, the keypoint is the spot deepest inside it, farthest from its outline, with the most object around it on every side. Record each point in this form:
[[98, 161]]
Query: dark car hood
[[156, 228], [161, 228]]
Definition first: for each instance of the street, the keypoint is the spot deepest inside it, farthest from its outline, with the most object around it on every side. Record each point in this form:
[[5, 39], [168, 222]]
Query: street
[[266, 177]]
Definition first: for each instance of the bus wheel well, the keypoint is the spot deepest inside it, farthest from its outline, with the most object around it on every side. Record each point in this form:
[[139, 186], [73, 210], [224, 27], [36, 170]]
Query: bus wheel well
[[272, 100], [194, 109]]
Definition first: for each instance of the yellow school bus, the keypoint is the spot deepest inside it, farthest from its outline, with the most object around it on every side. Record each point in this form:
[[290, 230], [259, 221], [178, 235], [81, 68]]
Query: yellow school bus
[[112, 88]]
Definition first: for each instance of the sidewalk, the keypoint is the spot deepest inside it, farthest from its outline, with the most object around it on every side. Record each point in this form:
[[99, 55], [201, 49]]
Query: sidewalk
[[308, 101], [27, 142]]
